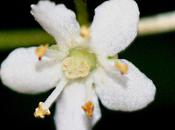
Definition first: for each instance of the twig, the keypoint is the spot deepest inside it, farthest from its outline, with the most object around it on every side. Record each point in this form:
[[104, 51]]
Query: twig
[[157, 24]]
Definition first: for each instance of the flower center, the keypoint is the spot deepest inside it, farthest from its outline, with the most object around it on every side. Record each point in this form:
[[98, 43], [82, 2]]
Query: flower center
[[79, 63]]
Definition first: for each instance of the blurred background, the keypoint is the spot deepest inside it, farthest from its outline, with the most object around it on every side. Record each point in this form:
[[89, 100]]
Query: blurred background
[[154, 55]]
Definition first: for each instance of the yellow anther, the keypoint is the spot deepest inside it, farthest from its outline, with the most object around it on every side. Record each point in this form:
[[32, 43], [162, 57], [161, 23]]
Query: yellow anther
[[41, 111], [88, 109], [75, 67], [85, 32], [122, 67], [41, 51]]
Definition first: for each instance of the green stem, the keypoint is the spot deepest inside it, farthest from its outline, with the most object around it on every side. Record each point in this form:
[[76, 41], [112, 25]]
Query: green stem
[[82, 13], [10, 39]]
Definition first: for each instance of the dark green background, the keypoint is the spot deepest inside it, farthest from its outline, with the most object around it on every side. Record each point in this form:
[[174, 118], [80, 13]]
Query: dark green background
[[153, 55]]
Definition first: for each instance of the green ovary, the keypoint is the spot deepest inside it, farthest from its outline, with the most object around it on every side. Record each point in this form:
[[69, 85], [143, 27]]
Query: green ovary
[[79, 63], [85, 54]]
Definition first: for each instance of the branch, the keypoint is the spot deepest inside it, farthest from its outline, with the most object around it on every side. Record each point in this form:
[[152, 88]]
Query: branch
[[157, 24]]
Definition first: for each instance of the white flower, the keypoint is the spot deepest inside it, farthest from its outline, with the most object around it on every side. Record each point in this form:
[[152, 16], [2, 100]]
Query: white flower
[[83, 65]]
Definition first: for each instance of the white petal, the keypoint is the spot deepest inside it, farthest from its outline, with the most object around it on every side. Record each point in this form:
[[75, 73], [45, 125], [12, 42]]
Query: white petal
[[22, 72], [133, 94], [69, 114], [114, 26], [57, 20]]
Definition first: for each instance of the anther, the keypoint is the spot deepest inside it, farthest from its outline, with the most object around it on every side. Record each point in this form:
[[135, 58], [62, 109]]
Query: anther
[[41, 111], [84, 32], [122, 67], [41, 51], [43, 108], [88, 109]]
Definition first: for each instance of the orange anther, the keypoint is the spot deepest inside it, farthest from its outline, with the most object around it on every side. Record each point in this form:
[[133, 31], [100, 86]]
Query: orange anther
[[89, 109]]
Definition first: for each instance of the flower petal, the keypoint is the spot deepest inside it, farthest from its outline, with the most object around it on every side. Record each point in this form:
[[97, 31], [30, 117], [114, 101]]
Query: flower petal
[[22, 72], [133, 94], [57, 20], [69, 113], [114, 26]]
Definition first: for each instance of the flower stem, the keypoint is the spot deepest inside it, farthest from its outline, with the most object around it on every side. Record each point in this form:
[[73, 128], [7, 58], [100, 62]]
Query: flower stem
[[82, 13]]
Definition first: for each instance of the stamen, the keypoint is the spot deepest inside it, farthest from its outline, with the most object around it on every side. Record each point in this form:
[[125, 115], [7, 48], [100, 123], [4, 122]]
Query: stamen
[[122, 67], [41, 51], [88, 109], [84, 32], [89, 106], [43, 108]]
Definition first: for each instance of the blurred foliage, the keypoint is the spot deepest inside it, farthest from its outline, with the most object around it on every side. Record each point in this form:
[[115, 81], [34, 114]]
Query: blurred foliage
[[10, 39]]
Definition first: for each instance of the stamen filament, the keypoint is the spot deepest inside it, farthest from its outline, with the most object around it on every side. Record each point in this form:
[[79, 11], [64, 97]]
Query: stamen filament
[[43, 108], [55, 53], [49, 101], [89, 89]]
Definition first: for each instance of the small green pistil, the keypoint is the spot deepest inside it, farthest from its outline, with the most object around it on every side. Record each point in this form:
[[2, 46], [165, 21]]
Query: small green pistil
[[84, 54], [79, 63]]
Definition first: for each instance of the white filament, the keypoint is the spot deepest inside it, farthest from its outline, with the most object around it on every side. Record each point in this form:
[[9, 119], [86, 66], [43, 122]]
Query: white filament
[[89, 88], [59, 88]]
